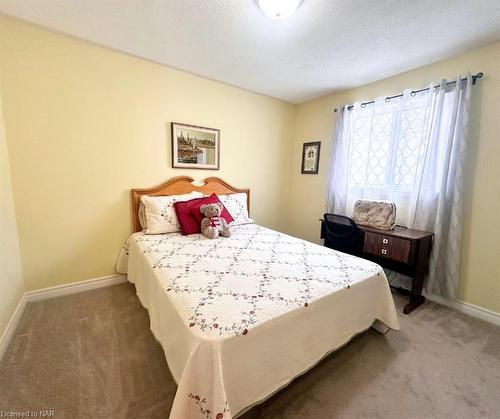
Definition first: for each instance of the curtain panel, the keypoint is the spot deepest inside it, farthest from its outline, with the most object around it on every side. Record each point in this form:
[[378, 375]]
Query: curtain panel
[[409, 150]]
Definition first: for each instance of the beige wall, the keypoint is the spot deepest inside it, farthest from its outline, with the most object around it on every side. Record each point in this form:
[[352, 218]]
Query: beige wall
[[480, 272], [11, 277], [85, 125]]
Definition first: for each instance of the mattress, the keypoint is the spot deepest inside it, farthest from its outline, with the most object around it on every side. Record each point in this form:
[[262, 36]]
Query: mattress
[[240, 317]]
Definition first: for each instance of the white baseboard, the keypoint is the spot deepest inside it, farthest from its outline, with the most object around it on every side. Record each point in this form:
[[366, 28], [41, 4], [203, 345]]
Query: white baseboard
[[12, 325], [57, 291], [74, 287], [467, 308]]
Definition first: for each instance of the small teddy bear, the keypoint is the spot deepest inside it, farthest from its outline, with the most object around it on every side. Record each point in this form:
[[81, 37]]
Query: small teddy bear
[[213, 224]]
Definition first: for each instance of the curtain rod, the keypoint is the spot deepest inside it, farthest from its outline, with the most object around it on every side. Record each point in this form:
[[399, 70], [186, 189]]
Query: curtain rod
[[475, 77]]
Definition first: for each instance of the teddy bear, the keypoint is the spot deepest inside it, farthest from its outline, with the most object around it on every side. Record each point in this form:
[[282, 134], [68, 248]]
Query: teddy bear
[[213, 225]]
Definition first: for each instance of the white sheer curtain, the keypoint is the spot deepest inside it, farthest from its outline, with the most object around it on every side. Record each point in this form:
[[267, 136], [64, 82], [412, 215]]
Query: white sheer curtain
[[409, 150]]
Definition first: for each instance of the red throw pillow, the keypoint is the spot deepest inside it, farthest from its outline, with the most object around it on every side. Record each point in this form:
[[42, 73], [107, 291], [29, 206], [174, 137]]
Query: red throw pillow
[[189, 224], [212, 199]]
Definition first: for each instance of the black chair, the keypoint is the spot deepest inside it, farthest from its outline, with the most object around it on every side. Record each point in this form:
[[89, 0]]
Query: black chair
[[342, 233]]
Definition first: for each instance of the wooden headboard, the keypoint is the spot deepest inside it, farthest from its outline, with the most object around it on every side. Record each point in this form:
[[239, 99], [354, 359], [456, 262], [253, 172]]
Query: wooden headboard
[[183, 185]]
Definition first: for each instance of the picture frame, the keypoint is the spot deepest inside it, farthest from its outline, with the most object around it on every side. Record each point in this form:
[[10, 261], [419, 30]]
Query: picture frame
[[310, 157], [195, 147]]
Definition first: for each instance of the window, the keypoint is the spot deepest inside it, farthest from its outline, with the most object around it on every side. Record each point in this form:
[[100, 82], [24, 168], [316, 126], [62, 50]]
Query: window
[[387, 151]]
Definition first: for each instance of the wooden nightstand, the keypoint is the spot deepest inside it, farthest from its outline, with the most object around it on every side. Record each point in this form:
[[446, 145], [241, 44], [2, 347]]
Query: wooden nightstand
[[401, 250]]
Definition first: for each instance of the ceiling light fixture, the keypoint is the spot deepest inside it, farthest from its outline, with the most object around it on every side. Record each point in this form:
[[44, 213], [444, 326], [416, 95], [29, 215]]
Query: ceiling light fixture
[[279, 9]]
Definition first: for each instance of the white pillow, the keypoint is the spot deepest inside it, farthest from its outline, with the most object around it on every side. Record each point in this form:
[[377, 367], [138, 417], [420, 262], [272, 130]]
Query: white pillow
[[160, 212], [236, 204], [142, 216]]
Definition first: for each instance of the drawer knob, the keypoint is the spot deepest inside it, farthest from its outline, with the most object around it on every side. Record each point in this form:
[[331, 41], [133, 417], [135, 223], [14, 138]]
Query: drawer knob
[[385, 241], [384, 251]]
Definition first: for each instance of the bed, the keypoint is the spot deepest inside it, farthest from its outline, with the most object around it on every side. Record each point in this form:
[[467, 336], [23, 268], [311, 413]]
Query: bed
[[240, 317]]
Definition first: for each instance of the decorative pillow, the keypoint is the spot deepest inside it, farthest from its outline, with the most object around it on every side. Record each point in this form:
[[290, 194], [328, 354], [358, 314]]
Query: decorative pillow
[[236, 204], [160, 212], [188, 222], [212, 199]]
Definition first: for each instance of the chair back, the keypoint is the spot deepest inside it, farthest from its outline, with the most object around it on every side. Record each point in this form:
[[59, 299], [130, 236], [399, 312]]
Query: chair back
[[342, 233]]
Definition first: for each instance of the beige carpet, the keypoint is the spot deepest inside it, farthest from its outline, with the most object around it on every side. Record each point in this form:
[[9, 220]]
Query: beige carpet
[[91, 355]]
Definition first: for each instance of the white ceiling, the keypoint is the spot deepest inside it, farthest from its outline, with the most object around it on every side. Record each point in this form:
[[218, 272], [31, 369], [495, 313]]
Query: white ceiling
[[326, 45]]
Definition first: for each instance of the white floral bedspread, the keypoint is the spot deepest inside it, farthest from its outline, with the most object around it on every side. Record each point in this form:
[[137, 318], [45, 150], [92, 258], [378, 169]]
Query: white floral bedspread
[[240, 317]]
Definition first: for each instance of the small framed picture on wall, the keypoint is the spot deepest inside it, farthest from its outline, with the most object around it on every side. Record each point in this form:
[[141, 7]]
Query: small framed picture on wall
[[195, 147], [310, 157]]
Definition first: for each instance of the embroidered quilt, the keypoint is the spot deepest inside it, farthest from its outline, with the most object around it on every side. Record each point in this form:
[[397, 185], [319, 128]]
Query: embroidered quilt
[[240, 317]]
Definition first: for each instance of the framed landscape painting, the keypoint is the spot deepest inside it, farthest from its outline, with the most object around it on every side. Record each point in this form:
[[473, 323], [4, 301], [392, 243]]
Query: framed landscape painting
[[195, 147], [310, 157]]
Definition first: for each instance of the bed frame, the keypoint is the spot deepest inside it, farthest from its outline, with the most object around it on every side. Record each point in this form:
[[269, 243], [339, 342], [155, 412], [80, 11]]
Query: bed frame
[[183, 185]]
